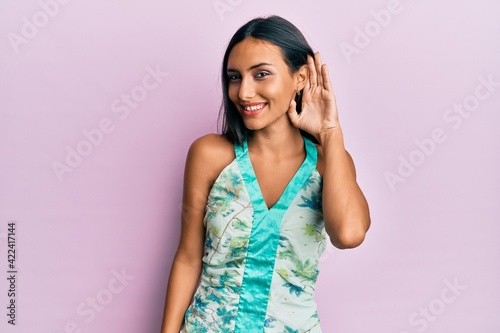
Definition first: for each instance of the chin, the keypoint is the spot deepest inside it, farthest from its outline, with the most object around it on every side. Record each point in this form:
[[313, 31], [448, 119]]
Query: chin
[[252, 127]]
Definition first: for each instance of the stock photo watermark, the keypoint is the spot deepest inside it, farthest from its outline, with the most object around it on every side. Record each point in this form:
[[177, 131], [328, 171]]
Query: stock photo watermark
[[424, 316], [363, 36], [88, 310], [94, 137], [12, 271], [48, 10], [222, 7], [454, 117]]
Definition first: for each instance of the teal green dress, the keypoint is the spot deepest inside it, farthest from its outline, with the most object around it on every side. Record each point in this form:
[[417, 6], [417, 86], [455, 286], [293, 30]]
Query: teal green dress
[[260, 265]]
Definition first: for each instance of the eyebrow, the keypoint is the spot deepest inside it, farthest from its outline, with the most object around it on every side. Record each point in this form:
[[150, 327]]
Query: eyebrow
[[231, 70]]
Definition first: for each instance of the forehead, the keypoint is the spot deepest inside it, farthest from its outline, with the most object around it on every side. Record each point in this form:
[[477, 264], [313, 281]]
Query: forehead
[[251, 51]]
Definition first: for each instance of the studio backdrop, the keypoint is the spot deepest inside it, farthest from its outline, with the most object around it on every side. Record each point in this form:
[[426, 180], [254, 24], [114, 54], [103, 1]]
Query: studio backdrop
[[100, 101]]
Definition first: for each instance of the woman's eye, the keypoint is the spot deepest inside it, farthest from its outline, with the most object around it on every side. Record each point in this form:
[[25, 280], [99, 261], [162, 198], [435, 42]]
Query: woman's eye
[[234, 77], [261, 75]]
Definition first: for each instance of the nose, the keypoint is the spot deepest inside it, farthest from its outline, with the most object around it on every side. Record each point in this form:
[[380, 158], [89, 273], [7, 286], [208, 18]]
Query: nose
[[247, 89]]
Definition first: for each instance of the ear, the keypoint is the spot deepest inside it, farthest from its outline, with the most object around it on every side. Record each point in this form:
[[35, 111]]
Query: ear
[[301, 77]]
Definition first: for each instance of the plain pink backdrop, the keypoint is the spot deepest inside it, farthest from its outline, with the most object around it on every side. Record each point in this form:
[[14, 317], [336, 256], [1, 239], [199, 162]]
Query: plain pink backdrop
[[401, 71]]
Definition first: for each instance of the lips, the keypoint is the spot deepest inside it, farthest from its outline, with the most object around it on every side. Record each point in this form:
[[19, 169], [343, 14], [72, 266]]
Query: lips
[[253, 109]]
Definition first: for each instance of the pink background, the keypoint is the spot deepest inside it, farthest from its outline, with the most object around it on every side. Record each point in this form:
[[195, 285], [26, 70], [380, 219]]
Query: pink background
[[431, 260]]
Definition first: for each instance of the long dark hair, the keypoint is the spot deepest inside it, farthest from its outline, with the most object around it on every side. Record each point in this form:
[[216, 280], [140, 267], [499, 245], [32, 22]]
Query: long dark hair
[[293, 45]]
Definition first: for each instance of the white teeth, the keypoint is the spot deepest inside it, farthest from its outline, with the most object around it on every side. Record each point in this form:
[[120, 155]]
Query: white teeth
[[255, 107]]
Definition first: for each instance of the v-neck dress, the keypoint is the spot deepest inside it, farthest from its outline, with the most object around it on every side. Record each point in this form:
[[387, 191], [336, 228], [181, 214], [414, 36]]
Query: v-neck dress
[[260, 265]]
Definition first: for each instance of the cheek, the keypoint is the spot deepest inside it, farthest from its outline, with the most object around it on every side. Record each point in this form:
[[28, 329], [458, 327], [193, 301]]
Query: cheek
[[279, 91], [232, 92]]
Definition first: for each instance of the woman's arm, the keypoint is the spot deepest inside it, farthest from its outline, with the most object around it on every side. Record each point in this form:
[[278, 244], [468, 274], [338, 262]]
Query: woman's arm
[[187, 264], [206, 158], [345, 209], [181, 285]]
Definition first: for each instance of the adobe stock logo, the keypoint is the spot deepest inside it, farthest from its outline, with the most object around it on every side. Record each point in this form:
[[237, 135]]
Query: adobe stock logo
[[30, 28], [430, 312], [426, 147], [96, 303], [363, 37], [223, 6]]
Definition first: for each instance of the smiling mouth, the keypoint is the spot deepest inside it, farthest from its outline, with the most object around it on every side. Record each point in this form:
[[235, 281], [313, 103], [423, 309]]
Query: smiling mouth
[[255, 107]]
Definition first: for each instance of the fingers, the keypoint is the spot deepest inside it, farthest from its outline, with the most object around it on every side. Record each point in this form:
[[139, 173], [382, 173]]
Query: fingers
[[318, 62], [318, 73], [292, 113], [312, 72], [327, 84]]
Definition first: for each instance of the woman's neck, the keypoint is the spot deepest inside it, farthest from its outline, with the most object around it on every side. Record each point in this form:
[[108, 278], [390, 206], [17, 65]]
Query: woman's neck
[[279, 140]]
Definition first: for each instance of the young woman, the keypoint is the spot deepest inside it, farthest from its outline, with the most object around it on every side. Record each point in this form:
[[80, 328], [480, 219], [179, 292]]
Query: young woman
[[259, 199]]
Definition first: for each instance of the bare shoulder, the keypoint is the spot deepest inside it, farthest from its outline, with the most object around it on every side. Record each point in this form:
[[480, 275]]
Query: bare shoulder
[[212, 153]]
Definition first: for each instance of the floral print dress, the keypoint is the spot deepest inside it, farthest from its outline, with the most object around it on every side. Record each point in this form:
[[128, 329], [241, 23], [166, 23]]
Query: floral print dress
[[260, 265]]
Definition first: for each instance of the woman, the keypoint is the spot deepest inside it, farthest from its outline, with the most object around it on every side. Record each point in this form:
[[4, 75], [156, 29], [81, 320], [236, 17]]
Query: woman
[[259, 198]]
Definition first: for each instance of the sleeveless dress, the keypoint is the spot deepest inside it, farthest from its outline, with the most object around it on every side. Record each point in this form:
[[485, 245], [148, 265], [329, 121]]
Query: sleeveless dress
[[260, 265]]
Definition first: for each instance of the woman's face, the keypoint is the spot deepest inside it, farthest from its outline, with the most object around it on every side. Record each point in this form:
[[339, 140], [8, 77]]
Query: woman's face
[[260, 83]]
